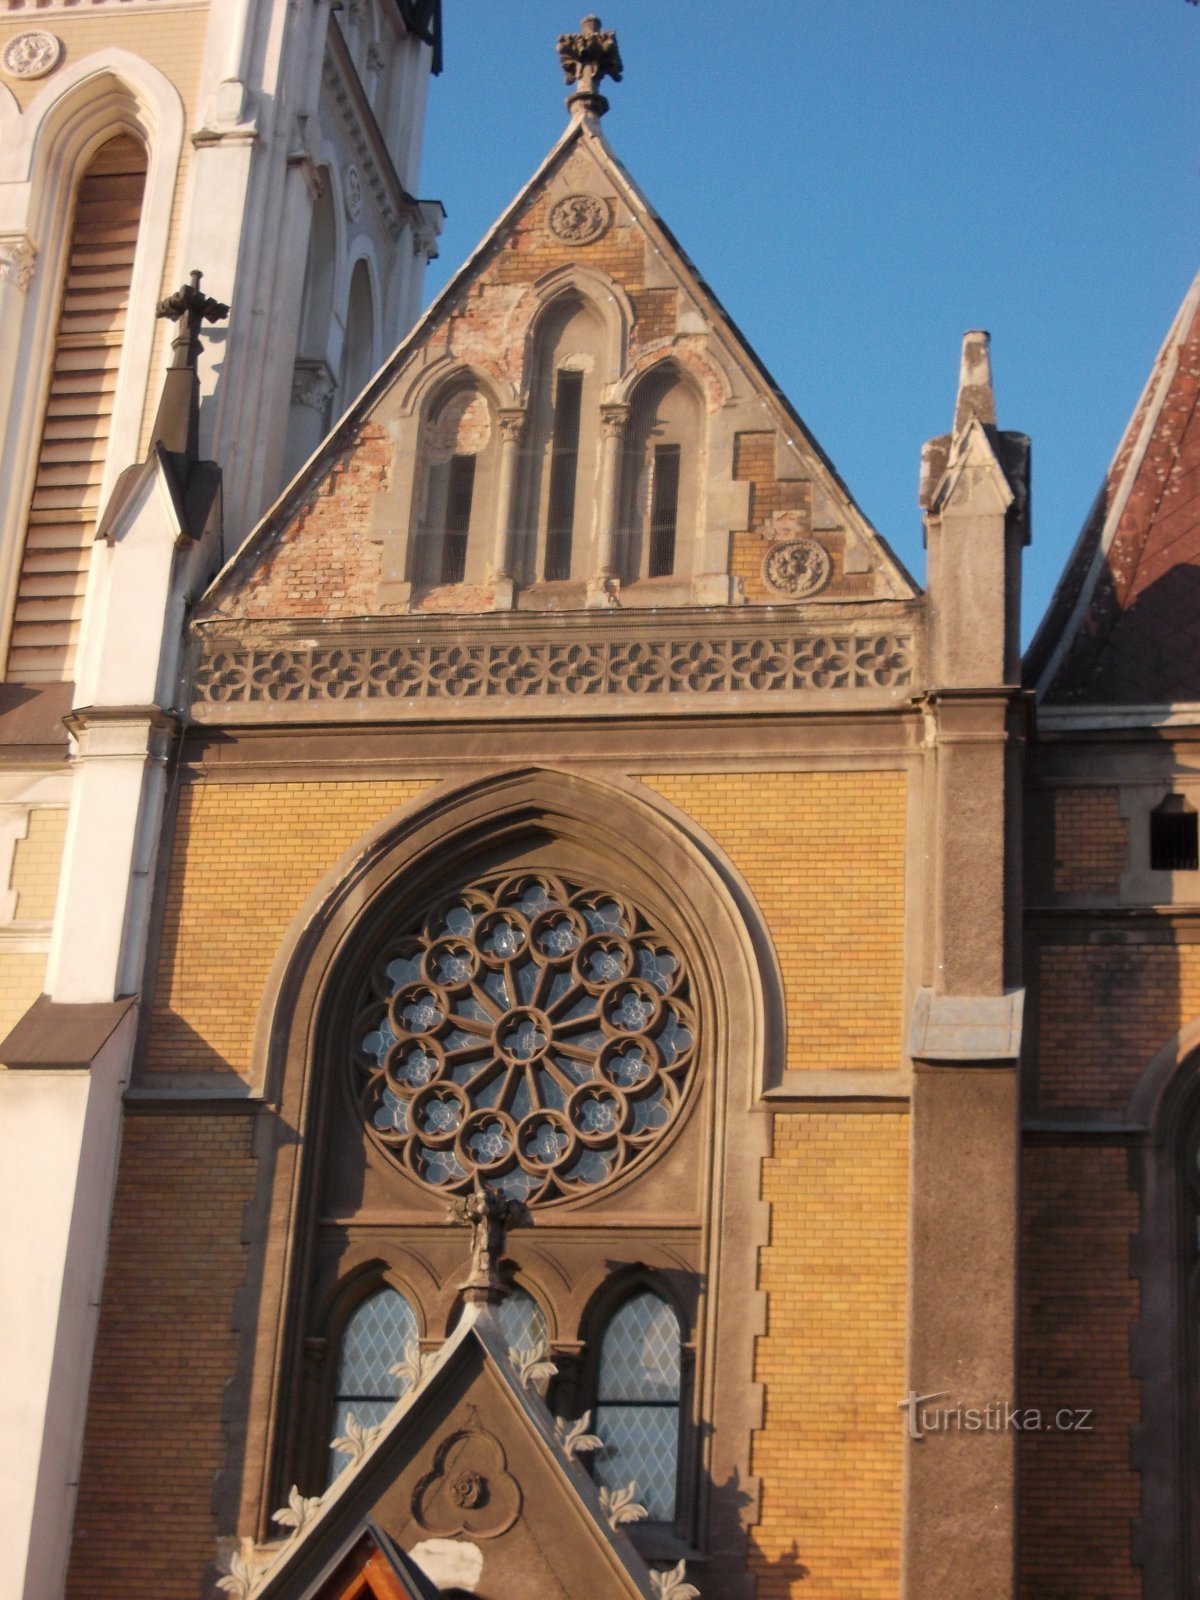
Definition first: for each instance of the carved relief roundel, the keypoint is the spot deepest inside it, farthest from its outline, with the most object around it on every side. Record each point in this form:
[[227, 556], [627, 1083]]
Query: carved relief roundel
[[797, 567], [533, 1030], [32, 54], [577, 218]]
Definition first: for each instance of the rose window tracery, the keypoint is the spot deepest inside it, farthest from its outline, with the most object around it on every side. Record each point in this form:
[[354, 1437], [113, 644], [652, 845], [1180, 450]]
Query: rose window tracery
[[533, 1030]]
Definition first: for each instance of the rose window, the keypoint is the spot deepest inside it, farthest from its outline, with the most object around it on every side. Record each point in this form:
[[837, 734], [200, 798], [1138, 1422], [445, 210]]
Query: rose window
[[534, 1031]]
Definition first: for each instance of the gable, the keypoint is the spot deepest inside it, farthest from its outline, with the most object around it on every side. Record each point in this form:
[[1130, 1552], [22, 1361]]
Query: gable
[[1123, 627], [691, 480]]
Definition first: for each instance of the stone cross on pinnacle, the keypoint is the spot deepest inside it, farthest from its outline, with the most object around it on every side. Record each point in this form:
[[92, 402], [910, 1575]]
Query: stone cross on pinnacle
[[588, 57], [490, 1216], [188, 308]]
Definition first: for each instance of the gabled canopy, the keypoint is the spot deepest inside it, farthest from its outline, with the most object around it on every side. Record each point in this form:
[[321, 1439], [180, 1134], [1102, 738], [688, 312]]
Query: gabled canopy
[[1123, 628], [466, 1475]]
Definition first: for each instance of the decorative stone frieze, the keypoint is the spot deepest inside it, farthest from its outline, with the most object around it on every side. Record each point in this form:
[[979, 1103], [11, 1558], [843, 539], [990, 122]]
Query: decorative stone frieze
[[564, 671], [18, 260], [31, 55]]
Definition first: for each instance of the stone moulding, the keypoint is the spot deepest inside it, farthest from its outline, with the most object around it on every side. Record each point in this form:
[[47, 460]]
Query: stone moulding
[[253, 672]]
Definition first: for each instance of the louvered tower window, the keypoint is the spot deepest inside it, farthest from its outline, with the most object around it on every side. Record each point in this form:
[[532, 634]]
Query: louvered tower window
[[74, 445]]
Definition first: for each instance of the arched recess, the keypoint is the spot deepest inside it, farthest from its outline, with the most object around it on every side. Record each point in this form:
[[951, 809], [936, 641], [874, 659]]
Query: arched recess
[[455, 482], [662, 476], [104, 95], [359, 345], [612, 832], [1165, 1342], [555, 523]]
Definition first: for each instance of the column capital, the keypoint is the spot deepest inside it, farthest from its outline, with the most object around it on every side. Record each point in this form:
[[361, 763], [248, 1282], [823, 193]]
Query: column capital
[[511, 422], [614, 417]]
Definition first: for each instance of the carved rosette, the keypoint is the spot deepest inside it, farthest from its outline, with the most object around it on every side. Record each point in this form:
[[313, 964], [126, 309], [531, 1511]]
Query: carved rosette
[[797, 568], [470, 1490], [534, 1034], [578, 218], [18, 260], [32, 54]]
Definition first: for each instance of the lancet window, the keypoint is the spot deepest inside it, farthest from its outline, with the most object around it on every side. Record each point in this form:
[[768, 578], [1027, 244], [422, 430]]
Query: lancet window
[[459, 453], [379, 1334], [61, 522], [660, 476], [556, 521], [638, 1402]]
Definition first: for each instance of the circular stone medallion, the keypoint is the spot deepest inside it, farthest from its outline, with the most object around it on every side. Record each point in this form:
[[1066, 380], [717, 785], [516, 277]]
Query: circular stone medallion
[[352, 193], [577, 218], [797, 567], [31, 55]]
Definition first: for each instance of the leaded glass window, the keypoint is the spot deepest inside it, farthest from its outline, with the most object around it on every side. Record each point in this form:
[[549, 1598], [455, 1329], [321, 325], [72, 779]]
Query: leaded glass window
[[377, 1335], [638, 1402], [530, 1029], [522, 1322]]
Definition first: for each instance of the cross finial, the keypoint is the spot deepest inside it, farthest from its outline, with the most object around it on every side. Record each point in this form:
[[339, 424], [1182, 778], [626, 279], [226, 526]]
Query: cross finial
[[588, 57], [189, 308], [490, 1215]]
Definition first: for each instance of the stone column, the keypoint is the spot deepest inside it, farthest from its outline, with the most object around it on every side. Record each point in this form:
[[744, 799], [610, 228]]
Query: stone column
[[512, 426], [613, 419]]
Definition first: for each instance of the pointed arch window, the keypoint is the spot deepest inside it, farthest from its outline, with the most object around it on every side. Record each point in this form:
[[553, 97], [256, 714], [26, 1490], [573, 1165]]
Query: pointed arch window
[[378, 1333], [660, 478], [61, 522], [639, 1402], [522, 1322], [457, 488], [556, 519]]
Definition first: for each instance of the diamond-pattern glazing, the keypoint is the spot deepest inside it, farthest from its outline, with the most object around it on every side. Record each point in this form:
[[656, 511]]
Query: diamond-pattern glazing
[[640, 1443], [522, 1321], [639, 1359], [376, 1337]]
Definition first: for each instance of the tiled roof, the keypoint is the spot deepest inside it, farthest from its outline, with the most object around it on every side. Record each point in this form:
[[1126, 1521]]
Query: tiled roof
[[1124, 625]]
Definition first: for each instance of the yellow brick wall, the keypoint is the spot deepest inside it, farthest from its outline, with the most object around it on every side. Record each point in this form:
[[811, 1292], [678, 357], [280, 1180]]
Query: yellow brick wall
[[244, 859], [823, 854], [36, 862], [830, 1452], [21, 978], [1091, 844]]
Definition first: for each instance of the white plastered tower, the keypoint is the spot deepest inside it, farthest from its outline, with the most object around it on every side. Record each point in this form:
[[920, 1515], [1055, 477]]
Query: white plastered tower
[[276, 148]]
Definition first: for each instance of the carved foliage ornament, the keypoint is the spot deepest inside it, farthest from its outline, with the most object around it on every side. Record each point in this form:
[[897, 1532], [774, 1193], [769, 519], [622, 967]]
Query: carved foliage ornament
[[578, 218], [18, 259], [32, 54], [533, 1031]]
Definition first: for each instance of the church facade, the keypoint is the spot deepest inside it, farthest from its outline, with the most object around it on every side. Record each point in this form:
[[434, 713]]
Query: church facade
[[650, 1053]]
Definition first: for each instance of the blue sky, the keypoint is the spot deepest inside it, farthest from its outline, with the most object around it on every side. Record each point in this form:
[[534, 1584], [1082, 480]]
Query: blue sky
[[861, 181]]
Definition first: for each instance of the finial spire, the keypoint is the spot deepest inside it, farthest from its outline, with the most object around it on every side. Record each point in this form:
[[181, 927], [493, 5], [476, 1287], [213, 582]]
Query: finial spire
[[490, 1215], [588, 57], [976, 397], [177, 425]]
